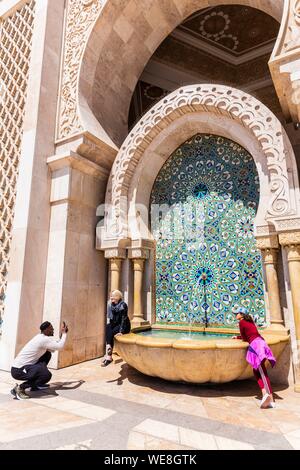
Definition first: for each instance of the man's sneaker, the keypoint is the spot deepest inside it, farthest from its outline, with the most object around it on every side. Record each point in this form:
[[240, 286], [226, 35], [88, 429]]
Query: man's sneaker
[[20, 393], [39, 387]]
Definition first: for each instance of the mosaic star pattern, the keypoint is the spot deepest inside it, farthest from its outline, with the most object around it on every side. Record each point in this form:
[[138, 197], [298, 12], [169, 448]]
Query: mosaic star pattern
[[203, 205]]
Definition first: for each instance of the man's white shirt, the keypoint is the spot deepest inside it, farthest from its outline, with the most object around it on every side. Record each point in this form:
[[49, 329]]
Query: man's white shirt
[[36, 347]]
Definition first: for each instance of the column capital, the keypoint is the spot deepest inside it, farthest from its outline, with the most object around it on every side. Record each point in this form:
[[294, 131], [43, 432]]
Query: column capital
[[267, 242], [115, 253], [289, 238], [270, 255], [293, 252], [138, 253], [138, 264]]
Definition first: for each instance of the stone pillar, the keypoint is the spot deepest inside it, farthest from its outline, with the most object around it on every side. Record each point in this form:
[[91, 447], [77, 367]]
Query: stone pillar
[[138, 257], [291, 242], [270, 256], [115, 265], [115, 256], [269, 249], [76, 284]]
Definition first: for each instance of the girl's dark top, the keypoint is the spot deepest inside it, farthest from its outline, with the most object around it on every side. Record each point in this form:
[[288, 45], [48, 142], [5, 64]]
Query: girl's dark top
[[118, 316], [248, 331]]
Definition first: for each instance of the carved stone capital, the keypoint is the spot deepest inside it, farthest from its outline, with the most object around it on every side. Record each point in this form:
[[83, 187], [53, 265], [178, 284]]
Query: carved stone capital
[[289, 238], [270, 255], [143, 243], [115, 253], [293, 253], [138, 264], [138, 253], [267, 242]]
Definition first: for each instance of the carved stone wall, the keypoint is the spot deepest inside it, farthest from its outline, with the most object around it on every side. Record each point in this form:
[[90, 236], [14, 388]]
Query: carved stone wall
[[80, 17], [15, 50], [289, 40], [284, 63], [238, 106]]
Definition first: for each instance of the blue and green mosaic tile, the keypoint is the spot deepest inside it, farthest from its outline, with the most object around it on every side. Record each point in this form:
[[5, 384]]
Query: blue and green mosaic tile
[[206, 260]]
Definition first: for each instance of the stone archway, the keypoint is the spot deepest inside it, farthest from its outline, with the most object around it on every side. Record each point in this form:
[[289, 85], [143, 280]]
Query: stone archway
[[214, 109], [282, 201], [95, 81]]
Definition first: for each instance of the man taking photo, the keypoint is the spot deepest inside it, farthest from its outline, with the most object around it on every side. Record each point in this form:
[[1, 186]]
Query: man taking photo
[[31, 363]]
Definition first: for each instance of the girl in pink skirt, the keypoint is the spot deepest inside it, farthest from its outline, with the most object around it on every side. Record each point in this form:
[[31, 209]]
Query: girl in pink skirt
[[257, 354]]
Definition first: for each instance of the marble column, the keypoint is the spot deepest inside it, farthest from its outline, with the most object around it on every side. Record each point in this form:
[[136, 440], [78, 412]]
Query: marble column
[[291, 242], [138, 257], [270, 256], [269, 247]]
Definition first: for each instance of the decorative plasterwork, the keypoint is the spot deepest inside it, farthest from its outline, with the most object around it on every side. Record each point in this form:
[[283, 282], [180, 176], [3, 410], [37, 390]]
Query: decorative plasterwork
[[115, 253], [80, 18], [289, 238], [270, 242], [292, 37], [16, 32], [231, 102], [138, 253], [285, 62]]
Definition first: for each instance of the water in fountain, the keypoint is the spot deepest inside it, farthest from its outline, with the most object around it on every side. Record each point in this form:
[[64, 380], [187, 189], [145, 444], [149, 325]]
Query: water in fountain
[[191, 322]]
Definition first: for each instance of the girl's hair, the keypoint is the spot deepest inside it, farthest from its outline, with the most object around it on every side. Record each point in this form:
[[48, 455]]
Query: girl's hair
[[117, 293], [247, 317]]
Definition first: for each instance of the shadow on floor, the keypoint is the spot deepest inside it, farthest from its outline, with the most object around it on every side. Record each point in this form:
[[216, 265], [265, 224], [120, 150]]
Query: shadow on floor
[[233, 389], [54, 387]]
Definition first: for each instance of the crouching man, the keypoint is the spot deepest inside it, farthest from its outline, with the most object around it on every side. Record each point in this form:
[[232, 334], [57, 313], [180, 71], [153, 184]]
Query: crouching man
[[31, 362]]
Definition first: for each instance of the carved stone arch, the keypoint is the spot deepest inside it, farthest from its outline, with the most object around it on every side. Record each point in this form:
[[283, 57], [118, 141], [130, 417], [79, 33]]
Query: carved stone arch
[[95, 81], [237, 106]]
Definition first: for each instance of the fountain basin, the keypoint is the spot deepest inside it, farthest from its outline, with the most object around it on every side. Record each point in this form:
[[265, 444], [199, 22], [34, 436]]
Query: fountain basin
[[215, 357]]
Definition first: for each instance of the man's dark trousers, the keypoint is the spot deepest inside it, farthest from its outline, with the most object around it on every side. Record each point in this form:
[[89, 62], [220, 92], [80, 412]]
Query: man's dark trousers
[[35, 374]]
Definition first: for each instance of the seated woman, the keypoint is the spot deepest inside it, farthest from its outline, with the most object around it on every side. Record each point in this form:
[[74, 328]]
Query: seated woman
[[119, 323], [257, 354]]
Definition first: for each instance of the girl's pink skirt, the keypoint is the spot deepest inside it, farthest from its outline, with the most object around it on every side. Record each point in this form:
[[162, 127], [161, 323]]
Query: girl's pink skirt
[[257, 352]]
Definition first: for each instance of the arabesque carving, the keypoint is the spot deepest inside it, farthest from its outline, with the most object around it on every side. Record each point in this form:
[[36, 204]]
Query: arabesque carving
[[15, 50], [80, 18], [234, 103]]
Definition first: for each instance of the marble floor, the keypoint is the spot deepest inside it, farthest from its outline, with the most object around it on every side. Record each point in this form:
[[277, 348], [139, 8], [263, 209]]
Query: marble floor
[[89, 407]]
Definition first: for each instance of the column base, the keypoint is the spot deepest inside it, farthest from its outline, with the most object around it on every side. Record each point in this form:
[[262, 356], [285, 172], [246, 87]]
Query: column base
[[297, 387], [139, 322], [277, 326], [278, 329], [274, 330]]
